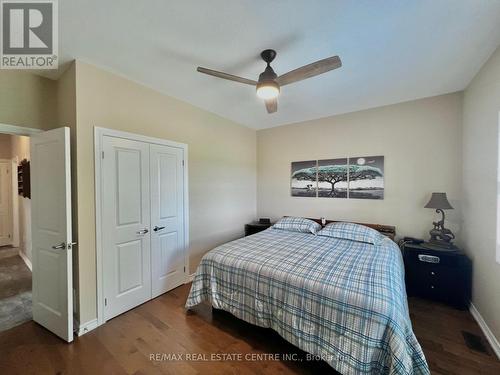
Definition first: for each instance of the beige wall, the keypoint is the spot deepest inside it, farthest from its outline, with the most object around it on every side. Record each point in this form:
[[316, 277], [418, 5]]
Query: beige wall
[[222, 164], [480, 187], [421, 142], [5, 146], [27, 100]]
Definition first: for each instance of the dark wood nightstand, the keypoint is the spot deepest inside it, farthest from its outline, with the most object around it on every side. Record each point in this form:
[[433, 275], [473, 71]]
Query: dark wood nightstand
[[440, 275], [255, 227]]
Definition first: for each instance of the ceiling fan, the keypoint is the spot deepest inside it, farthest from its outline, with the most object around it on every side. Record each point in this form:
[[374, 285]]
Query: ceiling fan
[[269, 83]]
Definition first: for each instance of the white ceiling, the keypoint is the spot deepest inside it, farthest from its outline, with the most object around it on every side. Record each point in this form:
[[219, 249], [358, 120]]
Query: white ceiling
[[392, 50]]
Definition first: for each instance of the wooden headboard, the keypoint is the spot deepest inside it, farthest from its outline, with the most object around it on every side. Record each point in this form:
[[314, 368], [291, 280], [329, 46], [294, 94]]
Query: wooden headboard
[[386, 230]]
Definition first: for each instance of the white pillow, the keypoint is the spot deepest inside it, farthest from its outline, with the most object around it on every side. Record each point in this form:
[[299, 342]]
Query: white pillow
[[297, 224], [353, 232]]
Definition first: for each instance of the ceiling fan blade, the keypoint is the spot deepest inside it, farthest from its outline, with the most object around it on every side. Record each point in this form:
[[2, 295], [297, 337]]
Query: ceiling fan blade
[[310, 70], [223, 75], [271, 105]]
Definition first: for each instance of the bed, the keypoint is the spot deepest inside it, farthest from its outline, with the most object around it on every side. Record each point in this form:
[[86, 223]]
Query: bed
[[340, 300]]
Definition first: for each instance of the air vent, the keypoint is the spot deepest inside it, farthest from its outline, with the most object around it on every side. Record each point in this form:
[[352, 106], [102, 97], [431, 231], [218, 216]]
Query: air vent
[[475, 342]]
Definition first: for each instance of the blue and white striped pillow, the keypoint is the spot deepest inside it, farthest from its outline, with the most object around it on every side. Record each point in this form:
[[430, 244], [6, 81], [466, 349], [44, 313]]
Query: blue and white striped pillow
[[353, 232], [297, 224]]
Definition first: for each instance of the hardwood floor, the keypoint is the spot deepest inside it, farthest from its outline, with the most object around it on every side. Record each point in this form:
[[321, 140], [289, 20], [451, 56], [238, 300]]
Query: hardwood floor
[[160, 327]]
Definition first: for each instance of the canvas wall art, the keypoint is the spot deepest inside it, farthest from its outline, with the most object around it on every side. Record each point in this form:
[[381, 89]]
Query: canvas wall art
[[333, 178], [357, 177], [304, 178], [366, 177]]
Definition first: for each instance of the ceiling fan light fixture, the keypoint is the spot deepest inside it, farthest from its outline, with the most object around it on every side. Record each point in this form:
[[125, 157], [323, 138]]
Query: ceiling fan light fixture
[[268, 90], [268, 85]]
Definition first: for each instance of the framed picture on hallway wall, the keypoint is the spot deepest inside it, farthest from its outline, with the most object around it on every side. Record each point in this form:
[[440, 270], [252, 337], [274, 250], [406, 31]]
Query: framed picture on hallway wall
[[304, 178]]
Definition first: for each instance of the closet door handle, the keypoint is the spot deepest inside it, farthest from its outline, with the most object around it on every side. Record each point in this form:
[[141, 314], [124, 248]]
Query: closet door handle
[[144, 231], [157, 228]]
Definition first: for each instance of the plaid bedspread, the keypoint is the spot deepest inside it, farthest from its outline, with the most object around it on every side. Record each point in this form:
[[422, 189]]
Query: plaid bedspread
[[340, 300]]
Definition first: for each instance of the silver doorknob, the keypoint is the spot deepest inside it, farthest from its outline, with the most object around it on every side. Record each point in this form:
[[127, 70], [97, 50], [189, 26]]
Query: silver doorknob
[[62, 245], [144, 231]]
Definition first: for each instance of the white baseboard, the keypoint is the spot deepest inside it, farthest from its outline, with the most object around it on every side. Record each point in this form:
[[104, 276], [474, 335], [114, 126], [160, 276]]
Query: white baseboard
[[189, 278], [486, 330], [26, 260], [84, 328]]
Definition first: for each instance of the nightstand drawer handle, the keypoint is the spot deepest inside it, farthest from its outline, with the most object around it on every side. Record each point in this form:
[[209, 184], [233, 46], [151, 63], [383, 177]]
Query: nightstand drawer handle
[[428, 258], [433, 273]]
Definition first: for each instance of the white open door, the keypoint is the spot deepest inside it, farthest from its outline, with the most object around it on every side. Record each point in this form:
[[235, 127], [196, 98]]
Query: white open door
[[51, 232]]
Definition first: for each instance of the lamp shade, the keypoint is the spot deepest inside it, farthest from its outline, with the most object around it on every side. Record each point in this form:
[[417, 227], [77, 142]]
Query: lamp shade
[[439, 201]]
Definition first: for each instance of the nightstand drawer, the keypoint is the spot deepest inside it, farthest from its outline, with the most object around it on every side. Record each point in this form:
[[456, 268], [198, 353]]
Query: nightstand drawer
[[433, 289], [428, 257], [424, 281], [431, 273], [428, 277]]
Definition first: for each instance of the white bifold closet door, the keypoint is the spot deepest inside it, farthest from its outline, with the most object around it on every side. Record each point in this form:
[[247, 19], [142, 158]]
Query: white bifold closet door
[[167, 218], [142, 223], [126, 219]]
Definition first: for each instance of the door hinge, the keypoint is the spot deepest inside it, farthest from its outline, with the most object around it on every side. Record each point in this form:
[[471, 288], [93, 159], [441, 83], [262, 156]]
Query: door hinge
[[102, 154], [105, 302], [183, 163], [184, 268]]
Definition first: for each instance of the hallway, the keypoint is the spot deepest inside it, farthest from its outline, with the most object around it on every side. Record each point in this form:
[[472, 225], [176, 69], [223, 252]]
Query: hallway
[[15, 289]]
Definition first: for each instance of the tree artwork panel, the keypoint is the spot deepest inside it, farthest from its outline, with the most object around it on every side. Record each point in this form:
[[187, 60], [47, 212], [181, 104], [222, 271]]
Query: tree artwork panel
[[366, 177], [333, 178], [304, 178], [358, 177]]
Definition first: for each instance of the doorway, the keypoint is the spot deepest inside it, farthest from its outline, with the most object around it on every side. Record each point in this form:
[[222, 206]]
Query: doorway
[[15, 231], [38, 226]]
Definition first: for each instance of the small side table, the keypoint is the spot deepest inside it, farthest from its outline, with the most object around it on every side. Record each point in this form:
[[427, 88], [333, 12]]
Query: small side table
[[255, 227], [440, 275]]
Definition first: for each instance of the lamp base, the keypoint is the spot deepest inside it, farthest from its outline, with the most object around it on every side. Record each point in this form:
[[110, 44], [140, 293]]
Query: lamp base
[[441, 237]]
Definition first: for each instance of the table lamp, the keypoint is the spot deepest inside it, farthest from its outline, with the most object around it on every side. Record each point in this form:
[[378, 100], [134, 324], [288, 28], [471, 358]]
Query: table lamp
[[441, 237]]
